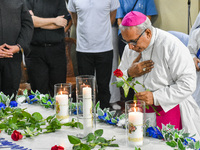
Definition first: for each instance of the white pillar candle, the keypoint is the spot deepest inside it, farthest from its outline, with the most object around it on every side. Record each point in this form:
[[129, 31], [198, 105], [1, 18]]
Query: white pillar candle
[[87, 102], [87, 110], [88, 126], [135, 127], [62, 107]]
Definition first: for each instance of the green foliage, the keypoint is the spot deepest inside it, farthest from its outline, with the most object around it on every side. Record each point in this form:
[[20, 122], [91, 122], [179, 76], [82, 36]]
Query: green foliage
[[91, 141], [176, 138], [5, 99], [42, 99], [31, 124]]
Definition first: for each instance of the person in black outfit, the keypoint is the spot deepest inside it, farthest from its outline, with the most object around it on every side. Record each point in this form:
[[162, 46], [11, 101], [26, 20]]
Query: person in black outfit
[[46, 64], [16, 30]]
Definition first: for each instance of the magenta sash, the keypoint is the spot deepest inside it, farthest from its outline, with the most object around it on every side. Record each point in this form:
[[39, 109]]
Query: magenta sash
[[173, 116]]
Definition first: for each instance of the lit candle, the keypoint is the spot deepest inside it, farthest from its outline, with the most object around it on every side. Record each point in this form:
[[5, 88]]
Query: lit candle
[[135, 127], [62, 107]]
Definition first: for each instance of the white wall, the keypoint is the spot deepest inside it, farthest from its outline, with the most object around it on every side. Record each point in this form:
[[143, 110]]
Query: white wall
[[173, 14]]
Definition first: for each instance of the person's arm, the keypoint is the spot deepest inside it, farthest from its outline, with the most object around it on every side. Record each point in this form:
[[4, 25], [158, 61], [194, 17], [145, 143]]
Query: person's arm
[[69, 25], [74, 18], [26, 32], [48, 23], [193, 45], [119, 21], [112, 16]]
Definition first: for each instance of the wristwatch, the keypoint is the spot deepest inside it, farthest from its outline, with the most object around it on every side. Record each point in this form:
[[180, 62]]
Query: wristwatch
[[20, 48]]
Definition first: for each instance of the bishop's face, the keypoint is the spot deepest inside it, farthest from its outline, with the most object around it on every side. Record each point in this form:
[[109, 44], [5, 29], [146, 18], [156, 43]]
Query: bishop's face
[[137, 40]]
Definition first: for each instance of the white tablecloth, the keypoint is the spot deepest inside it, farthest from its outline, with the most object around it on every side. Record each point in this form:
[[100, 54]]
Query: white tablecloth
[[60, 137]]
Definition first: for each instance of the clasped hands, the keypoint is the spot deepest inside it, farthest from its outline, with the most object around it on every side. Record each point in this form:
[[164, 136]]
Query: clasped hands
[[7, 51], [138, 69]]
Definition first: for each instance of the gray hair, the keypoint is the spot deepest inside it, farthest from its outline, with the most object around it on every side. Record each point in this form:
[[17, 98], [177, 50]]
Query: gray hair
[[140, 27]]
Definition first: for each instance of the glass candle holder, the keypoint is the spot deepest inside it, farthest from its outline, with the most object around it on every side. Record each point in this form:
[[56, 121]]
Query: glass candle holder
[[85, 103], [62, 94], [135, 117]]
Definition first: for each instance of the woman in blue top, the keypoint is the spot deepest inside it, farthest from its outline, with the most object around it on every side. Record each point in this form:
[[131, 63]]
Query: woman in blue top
[[146, 7]]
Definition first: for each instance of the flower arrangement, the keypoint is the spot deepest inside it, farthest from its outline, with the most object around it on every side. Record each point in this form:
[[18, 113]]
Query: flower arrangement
[[36, 97], [5, 101], [108, 116], [126, 84], [175, 138], [13, 119]]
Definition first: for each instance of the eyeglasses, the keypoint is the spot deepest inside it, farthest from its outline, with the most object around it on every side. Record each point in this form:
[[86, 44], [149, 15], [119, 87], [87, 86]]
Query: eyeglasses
[[133, 42]]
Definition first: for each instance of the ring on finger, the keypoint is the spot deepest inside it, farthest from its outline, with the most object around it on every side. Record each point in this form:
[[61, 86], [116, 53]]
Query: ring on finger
[[144, 69]]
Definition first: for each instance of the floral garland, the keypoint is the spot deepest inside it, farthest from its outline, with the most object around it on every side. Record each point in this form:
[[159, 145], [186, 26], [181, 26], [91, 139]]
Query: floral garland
[[173, 137]]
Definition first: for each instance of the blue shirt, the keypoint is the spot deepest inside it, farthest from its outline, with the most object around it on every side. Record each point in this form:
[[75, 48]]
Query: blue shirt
[[146, 7]]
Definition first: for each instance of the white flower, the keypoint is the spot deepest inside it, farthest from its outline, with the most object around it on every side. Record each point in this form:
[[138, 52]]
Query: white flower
[[42, 95], [121, 122], [21, 99]]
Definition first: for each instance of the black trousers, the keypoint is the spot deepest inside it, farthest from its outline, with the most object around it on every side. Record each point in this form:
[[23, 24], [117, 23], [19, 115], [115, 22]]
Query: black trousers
[[46, 66], [101, 63], [10, 74]]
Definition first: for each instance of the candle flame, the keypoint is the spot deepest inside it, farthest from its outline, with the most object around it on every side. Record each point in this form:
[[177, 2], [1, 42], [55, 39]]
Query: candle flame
[[134, 107]]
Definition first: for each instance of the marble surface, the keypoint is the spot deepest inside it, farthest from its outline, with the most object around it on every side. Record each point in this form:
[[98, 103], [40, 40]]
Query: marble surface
[[60, 137]]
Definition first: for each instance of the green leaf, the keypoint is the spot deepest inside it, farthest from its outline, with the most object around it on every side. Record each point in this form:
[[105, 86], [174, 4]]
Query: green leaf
[[37, 116], [197, 145], [101, 140], [78, 125], [90, 137], [98, 105], [98, 132], [126, 90], [176, 136], [113, 120], [100, 112], [172, 143], [13, 126], [3, 126], [180, 145], [113, 145], [73, 139], [129, 79], [85, 147], [122, 116], [120, 84]]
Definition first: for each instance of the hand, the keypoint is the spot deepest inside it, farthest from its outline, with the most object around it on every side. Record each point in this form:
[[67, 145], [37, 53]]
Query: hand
[[196, 61], [137, 67], [31, 12], [61, 21], [4, 52], [145, 96], [12, 48]]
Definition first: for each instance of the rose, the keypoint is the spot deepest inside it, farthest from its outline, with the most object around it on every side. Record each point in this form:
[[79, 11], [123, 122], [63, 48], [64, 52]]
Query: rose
[[57, 148], [118, 73], [16, 135]]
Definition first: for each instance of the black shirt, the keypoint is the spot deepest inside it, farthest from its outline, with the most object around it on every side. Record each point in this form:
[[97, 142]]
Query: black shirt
[[48, 9]]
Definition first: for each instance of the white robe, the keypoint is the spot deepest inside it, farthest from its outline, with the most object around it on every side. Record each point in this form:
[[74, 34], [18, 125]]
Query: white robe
[[173, 78], [193, 46]]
